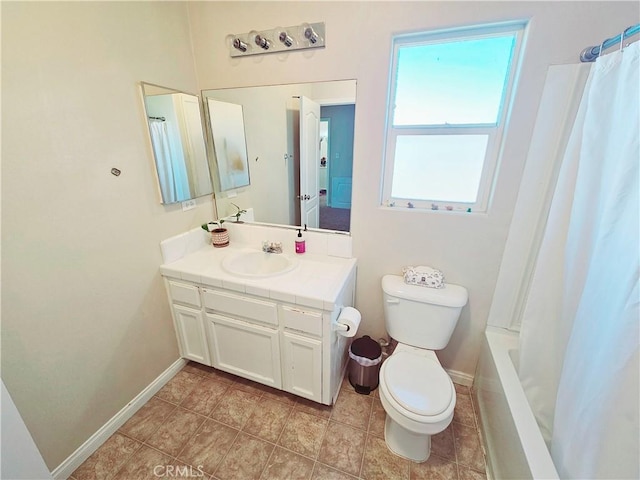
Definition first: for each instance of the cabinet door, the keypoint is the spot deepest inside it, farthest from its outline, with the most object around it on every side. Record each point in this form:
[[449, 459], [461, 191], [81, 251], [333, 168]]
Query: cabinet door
[[192, 337], [244, 349], [302, 366]]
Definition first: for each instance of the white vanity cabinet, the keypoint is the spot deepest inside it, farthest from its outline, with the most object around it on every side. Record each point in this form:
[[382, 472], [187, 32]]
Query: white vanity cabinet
[[279, 333], [188, 321], [243, 336]]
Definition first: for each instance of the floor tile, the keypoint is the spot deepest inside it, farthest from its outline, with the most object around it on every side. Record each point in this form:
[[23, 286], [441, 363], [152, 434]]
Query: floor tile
[[285, 464], [442, 444], [468, 449], [465, 473], [246, 459], [179, 387], [198, 369], [205, 397], [377, 419], [268, 421], [209, 424], [107, 459], [148, 419], [462, 389], [381, 464], [463, 412], [353, 409], [279, 395], [249, 386], [176, 431], [343, 448], [435, 468], [208, 446], [235, 408], [303, 433], [313, 408], [145, 464], [323, 472], [222, 376]]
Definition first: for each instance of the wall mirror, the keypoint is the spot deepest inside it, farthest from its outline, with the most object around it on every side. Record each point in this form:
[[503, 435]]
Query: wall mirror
[[180, 155], [299, 140]]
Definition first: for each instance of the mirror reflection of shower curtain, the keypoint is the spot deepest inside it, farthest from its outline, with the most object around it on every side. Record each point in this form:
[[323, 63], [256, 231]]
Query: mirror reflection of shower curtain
[[172, 174]]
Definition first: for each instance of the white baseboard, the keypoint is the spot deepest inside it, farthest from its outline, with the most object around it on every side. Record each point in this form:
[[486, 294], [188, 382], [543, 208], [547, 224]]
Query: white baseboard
[[460, 378], [67, 467]]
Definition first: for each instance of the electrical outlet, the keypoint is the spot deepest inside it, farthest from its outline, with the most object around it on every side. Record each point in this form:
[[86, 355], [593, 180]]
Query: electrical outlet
[[188, 205]]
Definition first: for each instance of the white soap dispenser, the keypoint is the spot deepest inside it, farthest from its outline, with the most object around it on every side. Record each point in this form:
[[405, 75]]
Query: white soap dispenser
[[300, 243]]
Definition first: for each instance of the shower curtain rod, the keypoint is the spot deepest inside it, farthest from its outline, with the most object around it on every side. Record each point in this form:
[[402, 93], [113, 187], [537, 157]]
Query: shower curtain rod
[[590, 54]]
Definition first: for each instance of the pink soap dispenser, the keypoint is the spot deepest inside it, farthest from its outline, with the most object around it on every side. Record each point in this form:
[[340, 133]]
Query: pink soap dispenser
[[300, 244]]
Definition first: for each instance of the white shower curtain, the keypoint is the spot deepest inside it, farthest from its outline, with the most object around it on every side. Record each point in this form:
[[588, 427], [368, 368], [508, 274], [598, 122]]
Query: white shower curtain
[[164, 166], [580, 326]]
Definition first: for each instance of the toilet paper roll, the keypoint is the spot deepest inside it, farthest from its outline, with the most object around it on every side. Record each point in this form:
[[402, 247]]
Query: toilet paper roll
[[348, 322]]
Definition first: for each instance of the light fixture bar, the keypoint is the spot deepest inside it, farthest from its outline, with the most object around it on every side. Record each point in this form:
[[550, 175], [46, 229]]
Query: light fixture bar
[[277, 40]]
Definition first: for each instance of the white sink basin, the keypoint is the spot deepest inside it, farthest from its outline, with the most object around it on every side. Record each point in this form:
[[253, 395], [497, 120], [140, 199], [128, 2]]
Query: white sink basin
[[258, 264]]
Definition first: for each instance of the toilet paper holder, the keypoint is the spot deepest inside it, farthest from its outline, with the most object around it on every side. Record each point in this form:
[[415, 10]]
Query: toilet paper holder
[[347, 322]]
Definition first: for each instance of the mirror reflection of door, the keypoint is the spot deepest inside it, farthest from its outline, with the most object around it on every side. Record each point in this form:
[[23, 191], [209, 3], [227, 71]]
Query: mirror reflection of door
[[309, 161]]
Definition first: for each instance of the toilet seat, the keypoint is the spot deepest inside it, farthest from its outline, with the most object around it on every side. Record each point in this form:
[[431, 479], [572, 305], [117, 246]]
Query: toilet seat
[[418, 384]]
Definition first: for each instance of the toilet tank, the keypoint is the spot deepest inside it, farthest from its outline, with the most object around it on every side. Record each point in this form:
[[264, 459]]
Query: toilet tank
[[420, 316]]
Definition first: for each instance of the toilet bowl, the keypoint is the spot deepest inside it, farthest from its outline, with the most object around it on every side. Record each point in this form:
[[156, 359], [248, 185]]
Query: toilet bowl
[[415, 391], [419, 399]]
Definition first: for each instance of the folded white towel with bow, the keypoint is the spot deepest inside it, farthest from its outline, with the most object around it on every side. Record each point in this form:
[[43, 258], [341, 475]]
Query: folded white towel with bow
[[423, 276]]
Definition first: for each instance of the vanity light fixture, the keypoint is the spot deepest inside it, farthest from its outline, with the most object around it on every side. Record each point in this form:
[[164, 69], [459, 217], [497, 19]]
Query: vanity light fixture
[[299, 37]]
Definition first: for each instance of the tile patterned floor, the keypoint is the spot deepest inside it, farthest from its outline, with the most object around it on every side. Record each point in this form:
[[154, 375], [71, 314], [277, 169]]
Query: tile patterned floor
[[207, 424]]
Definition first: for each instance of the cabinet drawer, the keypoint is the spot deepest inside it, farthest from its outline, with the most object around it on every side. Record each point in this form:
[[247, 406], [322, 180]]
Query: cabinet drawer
[[302, 320], [184, 293], [239, 306]]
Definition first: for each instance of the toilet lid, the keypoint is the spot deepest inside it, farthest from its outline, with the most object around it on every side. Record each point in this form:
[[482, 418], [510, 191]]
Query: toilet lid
[[418, 383]]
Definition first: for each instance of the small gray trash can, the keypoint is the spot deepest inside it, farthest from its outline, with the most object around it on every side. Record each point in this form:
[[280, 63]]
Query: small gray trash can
[[364, 365]]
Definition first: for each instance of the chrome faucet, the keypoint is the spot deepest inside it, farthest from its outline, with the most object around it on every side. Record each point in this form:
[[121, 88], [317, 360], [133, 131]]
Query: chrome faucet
[[271, 247]]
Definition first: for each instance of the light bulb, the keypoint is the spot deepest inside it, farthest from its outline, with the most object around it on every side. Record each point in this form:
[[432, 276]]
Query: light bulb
[[285, 38], [260, 40], [240, 45], [310, 34]]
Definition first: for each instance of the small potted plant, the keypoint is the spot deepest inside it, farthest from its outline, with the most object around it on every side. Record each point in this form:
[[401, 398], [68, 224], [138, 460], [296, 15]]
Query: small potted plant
[[239, 213], [219, 234]]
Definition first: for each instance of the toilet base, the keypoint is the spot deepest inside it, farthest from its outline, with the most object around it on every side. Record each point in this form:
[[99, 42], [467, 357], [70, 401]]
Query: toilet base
[[406, 444]]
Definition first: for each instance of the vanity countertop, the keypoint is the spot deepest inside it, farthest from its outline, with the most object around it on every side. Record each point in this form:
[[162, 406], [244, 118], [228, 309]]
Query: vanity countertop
[[316, 282]]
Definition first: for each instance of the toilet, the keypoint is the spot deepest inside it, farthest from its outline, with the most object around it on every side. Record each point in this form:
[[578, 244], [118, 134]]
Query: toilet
[[415, 391]]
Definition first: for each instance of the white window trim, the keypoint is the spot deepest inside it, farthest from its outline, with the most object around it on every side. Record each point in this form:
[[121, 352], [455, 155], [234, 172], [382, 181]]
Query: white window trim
[[494, 131]]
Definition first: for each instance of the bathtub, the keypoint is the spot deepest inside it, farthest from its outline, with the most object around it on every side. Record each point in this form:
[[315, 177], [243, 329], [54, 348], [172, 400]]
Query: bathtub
[[514, 445]]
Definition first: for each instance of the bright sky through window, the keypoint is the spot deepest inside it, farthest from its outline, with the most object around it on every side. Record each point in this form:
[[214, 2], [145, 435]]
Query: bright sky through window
[[449, 96], [452, 83]]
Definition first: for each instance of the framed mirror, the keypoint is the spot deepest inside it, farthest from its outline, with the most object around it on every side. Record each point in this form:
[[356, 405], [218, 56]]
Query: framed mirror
[[180, 155], [299, 141]]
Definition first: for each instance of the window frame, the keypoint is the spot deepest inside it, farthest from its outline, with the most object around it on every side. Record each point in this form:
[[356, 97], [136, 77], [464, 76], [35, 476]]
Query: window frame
[[495, 132]]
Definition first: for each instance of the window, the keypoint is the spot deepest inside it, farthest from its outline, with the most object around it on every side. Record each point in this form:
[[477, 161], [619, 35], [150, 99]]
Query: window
[[448, 102]]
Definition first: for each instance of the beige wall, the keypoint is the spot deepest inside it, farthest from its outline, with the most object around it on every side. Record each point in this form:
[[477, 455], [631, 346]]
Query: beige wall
[[85, 322], [468, 248]]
